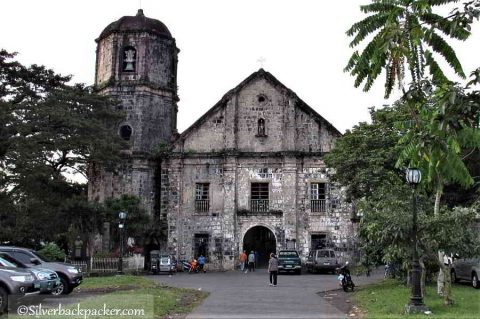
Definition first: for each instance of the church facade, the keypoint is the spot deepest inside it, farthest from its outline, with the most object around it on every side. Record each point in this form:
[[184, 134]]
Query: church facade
[[248, 175]]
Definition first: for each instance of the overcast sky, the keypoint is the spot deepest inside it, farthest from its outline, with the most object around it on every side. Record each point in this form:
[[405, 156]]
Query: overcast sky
[[303, 43]]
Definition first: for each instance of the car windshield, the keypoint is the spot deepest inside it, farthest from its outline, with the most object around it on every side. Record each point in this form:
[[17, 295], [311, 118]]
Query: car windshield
[[6, 263], [325, 254], [288, 254], [12, 260], [40, 256]]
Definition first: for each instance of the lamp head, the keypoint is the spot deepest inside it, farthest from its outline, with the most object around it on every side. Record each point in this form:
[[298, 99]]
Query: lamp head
[[413, 176], [122, 215]]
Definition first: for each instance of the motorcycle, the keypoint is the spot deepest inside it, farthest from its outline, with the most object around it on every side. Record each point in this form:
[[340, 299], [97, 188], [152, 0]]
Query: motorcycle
[[189, 267], [346, 279]]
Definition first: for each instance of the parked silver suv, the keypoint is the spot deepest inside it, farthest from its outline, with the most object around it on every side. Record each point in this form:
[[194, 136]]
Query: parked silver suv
[[15, 285], [466, 269]]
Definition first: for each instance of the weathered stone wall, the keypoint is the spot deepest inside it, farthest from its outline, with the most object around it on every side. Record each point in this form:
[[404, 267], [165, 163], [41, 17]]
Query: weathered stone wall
[[234, 125], [210, 136], [148, 98], [224, 149], [156, 60], [230, 216], [150, 114], [105, 62], [261, 100], [131, 176]]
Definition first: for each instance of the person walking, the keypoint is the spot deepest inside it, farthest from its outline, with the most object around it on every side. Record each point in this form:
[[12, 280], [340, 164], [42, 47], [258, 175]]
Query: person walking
[[273, 269], [243, 260], [251, 261]]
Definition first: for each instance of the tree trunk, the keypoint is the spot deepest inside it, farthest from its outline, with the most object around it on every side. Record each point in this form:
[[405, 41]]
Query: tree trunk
[[447, 290], [441, 275], [438, 196]]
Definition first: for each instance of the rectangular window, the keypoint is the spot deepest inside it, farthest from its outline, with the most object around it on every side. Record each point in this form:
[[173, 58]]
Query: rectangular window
[[259, 197], [317, 197], [202, 199]]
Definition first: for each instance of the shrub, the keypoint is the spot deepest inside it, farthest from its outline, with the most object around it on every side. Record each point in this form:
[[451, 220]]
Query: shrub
[[52, 252]]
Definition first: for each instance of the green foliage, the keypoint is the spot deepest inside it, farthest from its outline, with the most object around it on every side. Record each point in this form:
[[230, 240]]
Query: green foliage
[[401, 33], [447, 134], [364, 161], [365, 156], [161, 149], [52, 252], [452, 231], [49, 131], [138, 224]]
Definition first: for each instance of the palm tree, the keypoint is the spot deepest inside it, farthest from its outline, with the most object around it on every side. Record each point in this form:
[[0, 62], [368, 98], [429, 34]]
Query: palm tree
[[404, 34]]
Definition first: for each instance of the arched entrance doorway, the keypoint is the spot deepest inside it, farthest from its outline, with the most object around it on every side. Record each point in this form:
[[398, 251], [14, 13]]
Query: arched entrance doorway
[[262, 240]]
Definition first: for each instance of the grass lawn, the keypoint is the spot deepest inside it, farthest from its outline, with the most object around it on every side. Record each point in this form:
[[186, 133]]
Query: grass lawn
[[388, 299], [115, 282], [129, 293]]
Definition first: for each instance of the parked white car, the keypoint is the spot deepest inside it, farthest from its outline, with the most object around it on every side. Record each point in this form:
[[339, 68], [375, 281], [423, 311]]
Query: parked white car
[[466, 269]]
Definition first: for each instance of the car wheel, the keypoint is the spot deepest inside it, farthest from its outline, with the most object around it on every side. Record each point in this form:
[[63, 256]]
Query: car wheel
[[453, 276], [3, 300], [299, 272], [475, 282], [62, 289]]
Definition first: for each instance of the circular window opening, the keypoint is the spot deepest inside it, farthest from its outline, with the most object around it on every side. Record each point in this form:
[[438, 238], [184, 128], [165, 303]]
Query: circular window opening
[[261, 99], [125, 132]]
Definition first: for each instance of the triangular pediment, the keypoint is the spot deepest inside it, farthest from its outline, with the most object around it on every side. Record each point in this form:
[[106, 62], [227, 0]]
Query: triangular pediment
[[234, 122]]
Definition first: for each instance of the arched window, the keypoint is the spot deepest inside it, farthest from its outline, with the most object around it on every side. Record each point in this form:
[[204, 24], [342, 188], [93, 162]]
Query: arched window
[[261, 127], [129, 59], [125, 132]]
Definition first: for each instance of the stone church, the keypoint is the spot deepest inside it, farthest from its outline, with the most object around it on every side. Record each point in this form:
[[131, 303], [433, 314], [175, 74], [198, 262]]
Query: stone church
[[247, 175]]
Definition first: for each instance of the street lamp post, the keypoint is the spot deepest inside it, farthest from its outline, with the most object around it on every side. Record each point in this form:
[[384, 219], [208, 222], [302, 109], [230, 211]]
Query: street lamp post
[[414, 177], [122, 216]]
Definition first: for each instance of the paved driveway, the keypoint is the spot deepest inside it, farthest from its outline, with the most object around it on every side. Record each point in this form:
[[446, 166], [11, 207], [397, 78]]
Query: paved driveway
[[234, 294]]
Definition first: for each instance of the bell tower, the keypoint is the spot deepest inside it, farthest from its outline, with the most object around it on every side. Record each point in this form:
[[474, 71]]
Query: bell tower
[[136, 65]]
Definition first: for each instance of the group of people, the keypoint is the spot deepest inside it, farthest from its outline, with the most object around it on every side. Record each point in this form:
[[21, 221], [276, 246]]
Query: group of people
[[248, 263]]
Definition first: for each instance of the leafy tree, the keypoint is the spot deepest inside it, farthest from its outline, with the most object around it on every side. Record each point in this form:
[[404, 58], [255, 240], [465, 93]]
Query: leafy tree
[[138, 224], [364, 160], [49, 130]]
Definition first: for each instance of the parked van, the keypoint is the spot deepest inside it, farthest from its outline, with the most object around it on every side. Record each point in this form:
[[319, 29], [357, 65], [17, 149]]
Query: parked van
[[322, 260]]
